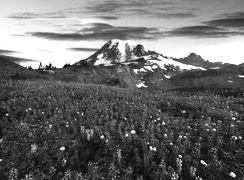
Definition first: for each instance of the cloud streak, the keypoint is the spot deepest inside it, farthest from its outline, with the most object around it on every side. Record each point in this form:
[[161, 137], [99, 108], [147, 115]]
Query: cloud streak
[[29, 15], [146, 8], [84, 49], [16, 59], [202, 32], [103, 31], [4, 51]]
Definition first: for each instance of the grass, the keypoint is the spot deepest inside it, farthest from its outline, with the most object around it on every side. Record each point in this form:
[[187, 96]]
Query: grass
[[57, 130]]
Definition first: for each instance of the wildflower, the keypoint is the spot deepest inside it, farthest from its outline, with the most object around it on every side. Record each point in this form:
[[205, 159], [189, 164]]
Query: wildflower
[[29, 109], [126, 135], [171, 144], [1, 140], [50, 126], [152, 148], [232, 125], [180, 136], [133, 132], [214, 130], [183, 112], [119, 154], [193, 171], [43, 113], [232, 175], [234, 138], [6, 114], [180, 156], [163, 123], [30, 134], [240, 137], [233, 118], [165, 135], [203, 163], [62, 148], [102, 137], [64, 161], [82, 129], [33, 148], [1, 160]]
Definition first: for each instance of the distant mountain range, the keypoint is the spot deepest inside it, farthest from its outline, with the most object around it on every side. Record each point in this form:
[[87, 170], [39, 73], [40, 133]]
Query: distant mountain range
[[152, 70], [128, 64]]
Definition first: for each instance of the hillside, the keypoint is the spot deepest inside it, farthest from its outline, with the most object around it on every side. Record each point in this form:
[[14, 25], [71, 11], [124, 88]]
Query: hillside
[[56, 130]]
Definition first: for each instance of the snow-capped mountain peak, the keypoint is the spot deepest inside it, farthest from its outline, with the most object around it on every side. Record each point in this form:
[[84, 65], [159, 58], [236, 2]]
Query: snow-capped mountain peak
[[115, 51]]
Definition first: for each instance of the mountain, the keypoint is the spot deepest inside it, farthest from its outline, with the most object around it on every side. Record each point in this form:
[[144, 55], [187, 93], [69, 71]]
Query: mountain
[[197, 60], [128, 64], [115, 51], [151, 69]]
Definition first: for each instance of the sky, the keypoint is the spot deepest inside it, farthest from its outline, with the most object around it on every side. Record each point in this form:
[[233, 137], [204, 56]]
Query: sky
[[66, 31]]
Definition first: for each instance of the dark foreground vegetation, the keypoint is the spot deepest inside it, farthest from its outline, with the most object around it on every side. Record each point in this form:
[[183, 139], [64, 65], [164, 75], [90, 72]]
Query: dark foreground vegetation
[[70, 131]]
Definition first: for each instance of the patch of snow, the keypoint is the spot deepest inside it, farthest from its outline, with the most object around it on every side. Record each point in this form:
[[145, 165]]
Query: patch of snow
[[142, 70], [141, 85], [122, 46], [136, 70], [215, 68], [148, 68], [102, 61], [168, 61], [241, 76], [100, 56], [154, 66], [168, 77]]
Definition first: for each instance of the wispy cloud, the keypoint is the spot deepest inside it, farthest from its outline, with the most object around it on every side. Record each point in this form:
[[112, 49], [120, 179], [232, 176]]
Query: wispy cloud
[[29, 15], [83, 49], [202, 32], [103, 31], [16, 59], [146, 8], [237, 23], [4, 51]]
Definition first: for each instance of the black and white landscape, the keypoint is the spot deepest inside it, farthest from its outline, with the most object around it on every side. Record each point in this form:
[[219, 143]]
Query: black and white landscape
[[121, 90]]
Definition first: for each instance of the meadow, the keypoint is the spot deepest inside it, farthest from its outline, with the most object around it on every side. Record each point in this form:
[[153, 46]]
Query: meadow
[[70, 131]]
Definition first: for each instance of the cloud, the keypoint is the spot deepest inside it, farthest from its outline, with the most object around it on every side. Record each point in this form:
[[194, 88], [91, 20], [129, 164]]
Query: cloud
[[16, 59], [146, 8], [3, 51], [29, 15], [202, 32], [84, 49], [108, 17], [103, 31], [233, 15], [237, 23]]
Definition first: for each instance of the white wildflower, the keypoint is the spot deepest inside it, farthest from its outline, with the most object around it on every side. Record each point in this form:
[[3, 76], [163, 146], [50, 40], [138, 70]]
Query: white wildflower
[[7, 114], [62, 148], [203, 163], [102, 137], [232, 174], [133, 132]]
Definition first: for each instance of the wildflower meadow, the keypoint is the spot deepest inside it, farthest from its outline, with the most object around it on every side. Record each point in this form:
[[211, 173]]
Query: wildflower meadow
[[71, 131]]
